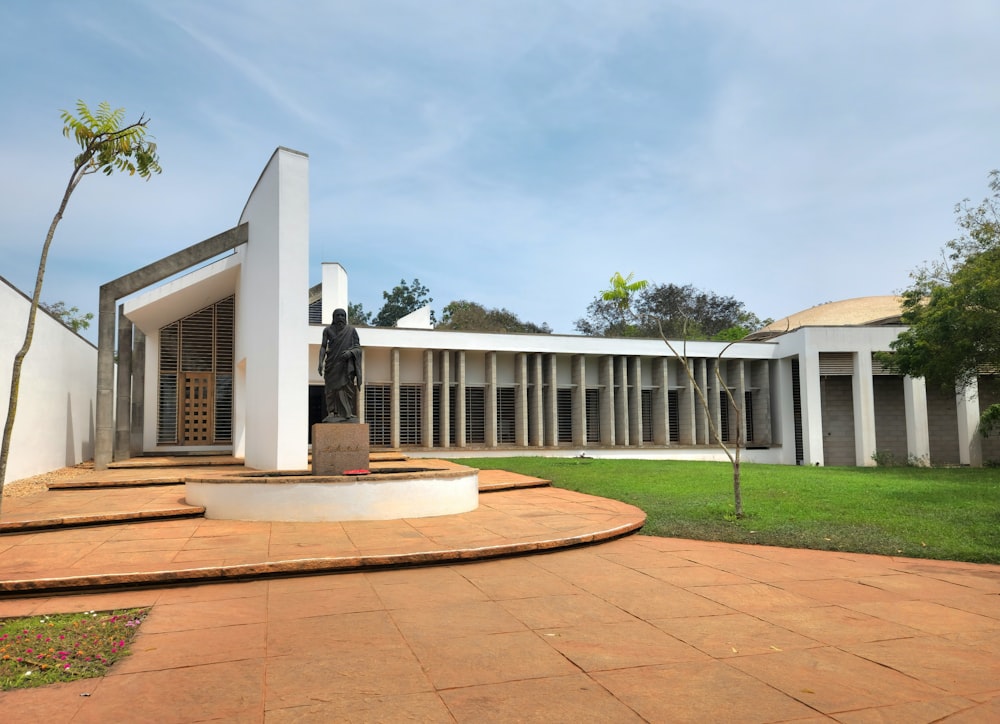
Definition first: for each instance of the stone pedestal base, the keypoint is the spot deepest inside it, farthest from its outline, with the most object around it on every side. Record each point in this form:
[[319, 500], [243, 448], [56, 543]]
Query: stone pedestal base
[[338, 447]]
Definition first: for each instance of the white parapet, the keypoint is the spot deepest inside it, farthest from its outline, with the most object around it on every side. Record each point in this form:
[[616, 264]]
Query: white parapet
[[303, 498]]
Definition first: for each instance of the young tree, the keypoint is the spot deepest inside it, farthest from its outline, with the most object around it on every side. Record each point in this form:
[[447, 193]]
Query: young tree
[[952, 307], [403, 299], [619, 296], [470, 316], [106, 146], [70, 316]]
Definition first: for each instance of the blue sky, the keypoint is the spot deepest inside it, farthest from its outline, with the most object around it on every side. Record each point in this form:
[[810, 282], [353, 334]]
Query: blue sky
[[516, 153]]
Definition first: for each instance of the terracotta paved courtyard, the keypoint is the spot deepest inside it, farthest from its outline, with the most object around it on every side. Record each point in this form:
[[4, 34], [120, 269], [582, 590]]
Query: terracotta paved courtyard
[[633, 628]]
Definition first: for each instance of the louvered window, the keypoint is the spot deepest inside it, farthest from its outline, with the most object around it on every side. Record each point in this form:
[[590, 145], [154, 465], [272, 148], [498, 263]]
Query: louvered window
[[475, 415], [410, 407], [674, 415], [436, 413], [593, 415], [196, 377], [748, 413], [646, 403], [316, 312], [797, 412], [564, 414], [723, 416], [506, 429], [836, 363], [378, 414]]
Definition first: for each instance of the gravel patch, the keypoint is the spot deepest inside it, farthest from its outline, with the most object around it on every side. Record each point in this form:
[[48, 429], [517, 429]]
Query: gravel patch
[[40, 483]]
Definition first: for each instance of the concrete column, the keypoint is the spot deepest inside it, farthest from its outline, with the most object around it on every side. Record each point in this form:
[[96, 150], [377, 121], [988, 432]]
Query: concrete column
[[446, 401], [394, 397], [700, 412], [138, 391], [579, 380], [812, 408], [427, 408], [537, 402], [713, 369], [334, 291], [741, 399], [606, 375], [661, 402], [635, 401], [123, 408], [863, 389], [970, 446], [918, 438], [460, 398], [621, 402], [490, 406], [521, 399], [551, 434]]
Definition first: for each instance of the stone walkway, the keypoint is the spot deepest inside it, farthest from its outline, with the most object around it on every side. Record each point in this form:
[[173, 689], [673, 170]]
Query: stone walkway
[[634, 628]]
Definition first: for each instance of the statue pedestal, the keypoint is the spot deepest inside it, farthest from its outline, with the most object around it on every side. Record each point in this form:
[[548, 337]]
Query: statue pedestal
[[338, 447]]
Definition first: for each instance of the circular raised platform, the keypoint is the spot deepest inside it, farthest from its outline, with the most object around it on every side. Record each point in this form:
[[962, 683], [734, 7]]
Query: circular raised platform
[[302, 497]]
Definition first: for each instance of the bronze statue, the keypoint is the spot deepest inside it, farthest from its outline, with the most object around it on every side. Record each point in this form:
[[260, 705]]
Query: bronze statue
[[340, 367]]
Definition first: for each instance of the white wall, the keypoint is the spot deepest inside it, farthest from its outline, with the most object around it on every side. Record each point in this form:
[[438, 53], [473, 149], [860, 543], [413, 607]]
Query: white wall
[[271, 404], [54, 424]]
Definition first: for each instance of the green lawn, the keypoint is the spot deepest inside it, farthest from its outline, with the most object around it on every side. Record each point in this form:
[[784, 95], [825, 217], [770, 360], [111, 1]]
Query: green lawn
[[944, 513]]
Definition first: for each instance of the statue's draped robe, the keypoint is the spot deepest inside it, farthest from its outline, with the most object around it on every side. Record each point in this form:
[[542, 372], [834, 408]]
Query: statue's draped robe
[[341, 373]]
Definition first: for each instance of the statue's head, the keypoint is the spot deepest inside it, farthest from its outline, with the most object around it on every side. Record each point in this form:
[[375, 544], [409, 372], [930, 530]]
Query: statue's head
[[339, 318]]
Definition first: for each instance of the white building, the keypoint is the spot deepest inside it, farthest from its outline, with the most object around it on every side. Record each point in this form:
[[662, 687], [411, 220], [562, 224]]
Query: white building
[[226, 359]]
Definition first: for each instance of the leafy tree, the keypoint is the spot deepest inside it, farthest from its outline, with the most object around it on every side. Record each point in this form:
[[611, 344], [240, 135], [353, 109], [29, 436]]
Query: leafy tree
[[357, 315], [106, 146], [619, 296], [952, 307], [680, 312], [71, 316], [402, 300], [470, 316]]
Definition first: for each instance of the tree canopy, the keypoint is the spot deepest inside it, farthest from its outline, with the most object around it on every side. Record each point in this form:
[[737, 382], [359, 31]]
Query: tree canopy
[[72, 317], [684, 312], [402, 300], [472, 317], [952, 307]]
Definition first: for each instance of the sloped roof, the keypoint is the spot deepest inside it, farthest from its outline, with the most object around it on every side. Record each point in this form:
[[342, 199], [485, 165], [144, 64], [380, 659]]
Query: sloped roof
[[858, 312]]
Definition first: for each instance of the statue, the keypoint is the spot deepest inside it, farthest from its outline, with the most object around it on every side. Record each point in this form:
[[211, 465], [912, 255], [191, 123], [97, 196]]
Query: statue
[[340, 367]]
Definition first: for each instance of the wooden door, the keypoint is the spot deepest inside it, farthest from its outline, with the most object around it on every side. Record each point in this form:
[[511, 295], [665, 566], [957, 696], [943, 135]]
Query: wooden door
[[197, 408]]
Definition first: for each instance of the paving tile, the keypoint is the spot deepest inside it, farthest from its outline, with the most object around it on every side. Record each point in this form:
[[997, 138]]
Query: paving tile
[[455, 620], [928, 616], [489, 659], [437, 586], [205, 614], [51, 704], [919, 587], [755, 597], [195, 647], [195, 693], [836, 625], [604, 646], [735, 634], [830, 680], [354, 595], [839, 591], [426, 708], [950, 666], [316, 636], [700, 691], [213, 592], [574, 698], [911, 712], [298, 680], [566, 610]]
